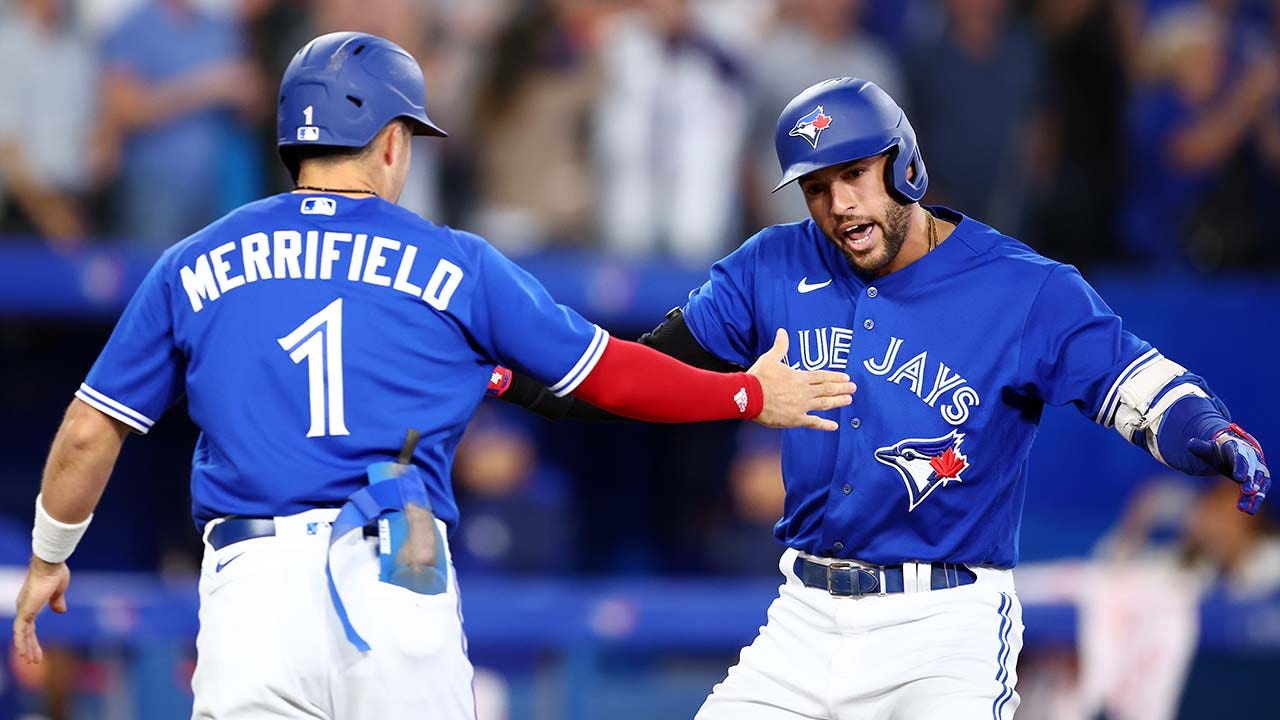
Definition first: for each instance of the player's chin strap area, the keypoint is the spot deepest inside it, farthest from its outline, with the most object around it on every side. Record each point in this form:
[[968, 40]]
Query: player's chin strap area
[[397, 500]]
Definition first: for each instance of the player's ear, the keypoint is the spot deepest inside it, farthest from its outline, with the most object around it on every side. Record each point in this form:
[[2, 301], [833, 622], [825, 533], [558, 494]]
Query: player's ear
[[402, 134]]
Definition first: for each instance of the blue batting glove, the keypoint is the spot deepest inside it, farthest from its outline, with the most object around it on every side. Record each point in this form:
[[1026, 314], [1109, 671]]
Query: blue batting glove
[[1237, 455]]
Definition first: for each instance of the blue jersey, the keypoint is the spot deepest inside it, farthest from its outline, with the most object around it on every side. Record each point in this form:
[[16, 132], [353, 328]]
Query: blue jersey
[[955, 357], [309, 332]]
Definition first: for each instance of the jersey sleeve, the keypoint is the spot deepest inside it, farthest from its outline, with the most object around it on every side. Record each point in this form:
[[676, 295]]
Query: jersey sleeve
[[518, 324], [721, 313], [139, 373], [1075, 348]]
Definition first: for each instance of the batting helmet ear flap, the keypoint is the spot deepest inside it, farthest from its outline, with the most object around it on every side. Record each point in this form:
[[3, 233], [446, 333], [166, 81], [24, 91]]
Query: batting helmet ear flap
[[908, 176]]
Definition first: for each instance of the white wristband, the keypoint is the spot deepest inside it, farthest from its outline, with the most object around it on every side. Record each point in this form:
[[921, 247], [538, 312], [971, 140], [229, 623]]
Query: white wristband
[[52, 540]]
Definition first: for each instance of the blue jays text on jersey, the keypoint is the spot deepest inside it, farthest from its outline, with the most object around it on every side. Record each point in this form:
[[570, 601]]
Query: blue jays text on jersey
[[309, 331], [955, 357]]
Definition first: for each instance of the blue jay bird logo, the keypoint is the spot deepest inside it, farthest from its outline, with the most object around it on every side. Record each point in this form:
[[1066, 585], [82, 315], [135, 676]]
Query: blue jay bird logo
[[810, 126], [926, 464]]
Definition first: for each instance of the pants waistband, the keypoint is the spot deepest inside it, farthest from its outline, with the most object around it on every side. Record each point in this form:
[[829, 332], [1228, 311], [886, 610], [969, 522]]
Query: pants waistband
[[228, 531], [843, 578]]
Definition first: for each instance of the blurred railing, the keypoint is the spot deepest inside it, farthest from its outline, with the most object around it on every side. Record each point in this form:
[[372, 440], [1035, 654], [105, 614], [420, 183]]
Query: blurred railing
[[574, 626]]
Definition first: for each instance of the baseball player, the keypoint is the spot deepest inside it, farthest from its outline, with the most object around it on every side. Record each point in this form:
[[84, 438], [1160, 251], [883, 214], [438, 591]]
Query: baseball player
[[901, 529], [308, 330]]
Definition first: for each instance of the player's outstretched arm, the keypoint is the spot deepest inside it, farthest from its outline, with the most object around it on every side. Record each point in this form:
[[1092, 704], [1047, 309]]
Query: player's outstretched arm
[[80, 461], [634, 381], [671, 337]]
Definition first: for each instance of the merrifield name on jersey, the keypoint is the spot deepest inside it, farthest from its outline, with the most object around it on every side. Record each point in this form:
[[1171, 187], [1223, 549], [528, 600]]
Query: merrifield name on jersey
[[316, 255]]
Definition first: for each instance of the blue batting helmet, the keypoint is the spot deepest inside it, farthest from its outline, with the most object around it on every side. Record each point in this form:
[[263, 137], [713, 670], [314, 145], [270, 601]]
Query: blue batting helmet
[[341, 89], [845, 119]]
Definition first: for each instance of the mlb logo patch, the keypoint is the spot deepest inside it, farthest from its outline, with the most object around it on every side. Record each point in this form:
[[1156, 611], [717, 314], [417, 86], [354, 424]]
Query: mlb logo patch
[[810, 126], [308, 133], [319, 206]]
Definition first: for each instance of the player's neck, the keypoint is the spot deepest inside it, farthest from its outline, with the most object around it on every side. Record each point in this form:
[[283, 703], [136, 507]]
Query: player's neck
[[918, 243], [338, 181]]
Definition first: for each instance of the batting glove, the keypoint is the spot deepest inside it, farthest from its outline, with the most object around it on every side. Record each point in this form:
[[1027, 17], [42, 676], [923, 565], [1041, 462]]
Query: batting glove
[[1234, 453]]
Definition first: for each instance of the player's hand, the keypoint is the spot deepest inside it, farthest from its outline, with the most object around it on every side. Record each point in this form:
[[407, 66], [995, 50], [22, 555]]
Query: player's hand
[[1235, 454], [46, 584], [790, 395]]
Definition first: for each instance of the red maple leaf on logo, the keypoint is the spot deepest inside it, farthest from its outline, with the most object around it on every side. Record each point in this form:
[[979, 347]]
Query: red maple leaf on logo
[[821, 122], [948, 464]]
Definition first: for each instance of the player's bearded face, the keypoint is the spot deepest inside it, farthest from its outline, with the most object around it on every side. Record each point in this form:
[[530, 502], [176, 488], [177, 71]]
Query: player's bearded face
[[854, 209]]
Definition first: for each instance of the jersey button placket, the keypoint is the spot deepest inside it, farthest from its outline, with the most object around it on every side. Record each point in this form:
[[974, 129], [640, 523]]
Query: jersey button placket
[[846, 488], [868, 323], [872, 291], [855, 423]]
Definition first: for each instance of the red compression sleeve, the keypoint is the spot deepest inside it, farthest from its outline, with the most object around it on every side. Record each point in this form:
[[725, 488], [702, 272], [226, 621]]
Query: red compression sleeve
[[643, 384]]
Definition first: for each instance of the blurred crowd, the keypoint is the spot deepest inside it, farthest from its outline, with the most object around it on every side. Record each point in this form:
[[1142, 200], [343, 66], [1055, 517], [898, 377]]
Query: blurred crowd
[[1139, 131]]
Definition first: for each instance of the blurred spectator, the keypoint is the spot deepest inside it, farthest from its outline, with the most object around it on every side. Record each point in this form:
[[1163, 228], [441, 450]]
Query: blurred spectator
[[527, 126], [809, 41], [1179, 541], [1084, 158], [519, 515], [46, 125], [742, 541], [975, 102], [177, 98], [1188, 120], [669, 127]]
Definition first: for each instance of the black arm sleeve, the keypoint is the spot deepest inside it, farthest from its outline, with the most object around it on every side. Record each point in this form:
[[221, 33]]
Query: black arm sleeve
[[672, 337]]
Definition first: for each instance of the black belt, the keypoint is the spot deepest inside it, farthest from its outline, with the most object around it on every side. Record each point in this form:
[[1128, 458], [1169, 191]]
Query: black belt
[[234, 530], [849, 579]]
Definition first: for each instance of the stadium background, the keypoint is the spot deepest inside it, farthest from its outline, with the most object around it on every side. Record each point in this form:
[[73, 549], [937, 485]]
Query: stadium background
[[616, 148]]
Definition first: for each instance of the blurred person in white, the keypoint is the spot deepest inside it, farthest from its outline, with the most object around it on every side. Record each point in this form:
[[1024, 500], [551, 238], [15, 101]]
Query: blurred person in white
[[804, 43], [1139, 602], [46, 122], [668, 131], [976, 100], [531, 107], [179, 96]]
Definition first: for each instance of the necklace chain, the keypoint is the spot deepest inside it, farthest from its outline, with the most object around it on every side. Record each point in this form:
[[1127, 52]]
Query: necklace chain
[[337, 190]]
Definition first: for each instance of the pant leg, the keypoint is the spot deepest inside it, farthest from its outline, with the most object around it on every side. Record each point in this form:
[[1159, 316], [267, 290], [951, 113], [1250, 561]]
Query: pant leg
[[417, 664], [258, 652], [961, 659], [785, 672]]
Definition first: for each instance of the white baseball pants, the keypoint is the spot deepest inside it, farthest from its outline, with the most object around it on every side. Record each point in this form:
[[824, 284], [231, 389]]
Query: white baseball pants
[[907, 656], [271, 645]]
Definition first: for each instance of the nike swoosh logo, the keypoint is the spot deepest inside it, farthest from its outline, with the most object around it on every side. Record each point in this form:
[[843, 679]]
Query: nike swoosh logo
[[805, 287], [225, 563]]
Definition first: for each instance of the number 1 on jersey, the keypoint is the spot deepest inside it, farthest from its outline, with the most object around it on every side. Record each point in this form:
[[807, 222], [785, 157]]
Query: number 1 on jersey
[[318, 340]]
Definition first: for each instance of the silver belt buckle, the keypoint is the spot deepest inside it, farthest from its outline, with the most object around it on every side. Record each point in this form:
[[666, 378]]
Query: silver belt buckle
[[841, 565]]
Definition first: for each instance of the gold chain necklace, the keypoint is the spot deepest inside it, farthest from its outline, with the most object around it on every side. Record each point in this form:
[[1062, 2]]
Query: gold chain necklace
[[933, 232]]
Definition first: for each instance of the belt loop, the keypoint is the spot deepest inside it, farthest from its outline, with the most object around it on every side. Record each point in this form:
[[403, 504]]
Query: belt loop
[[882, 588]]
